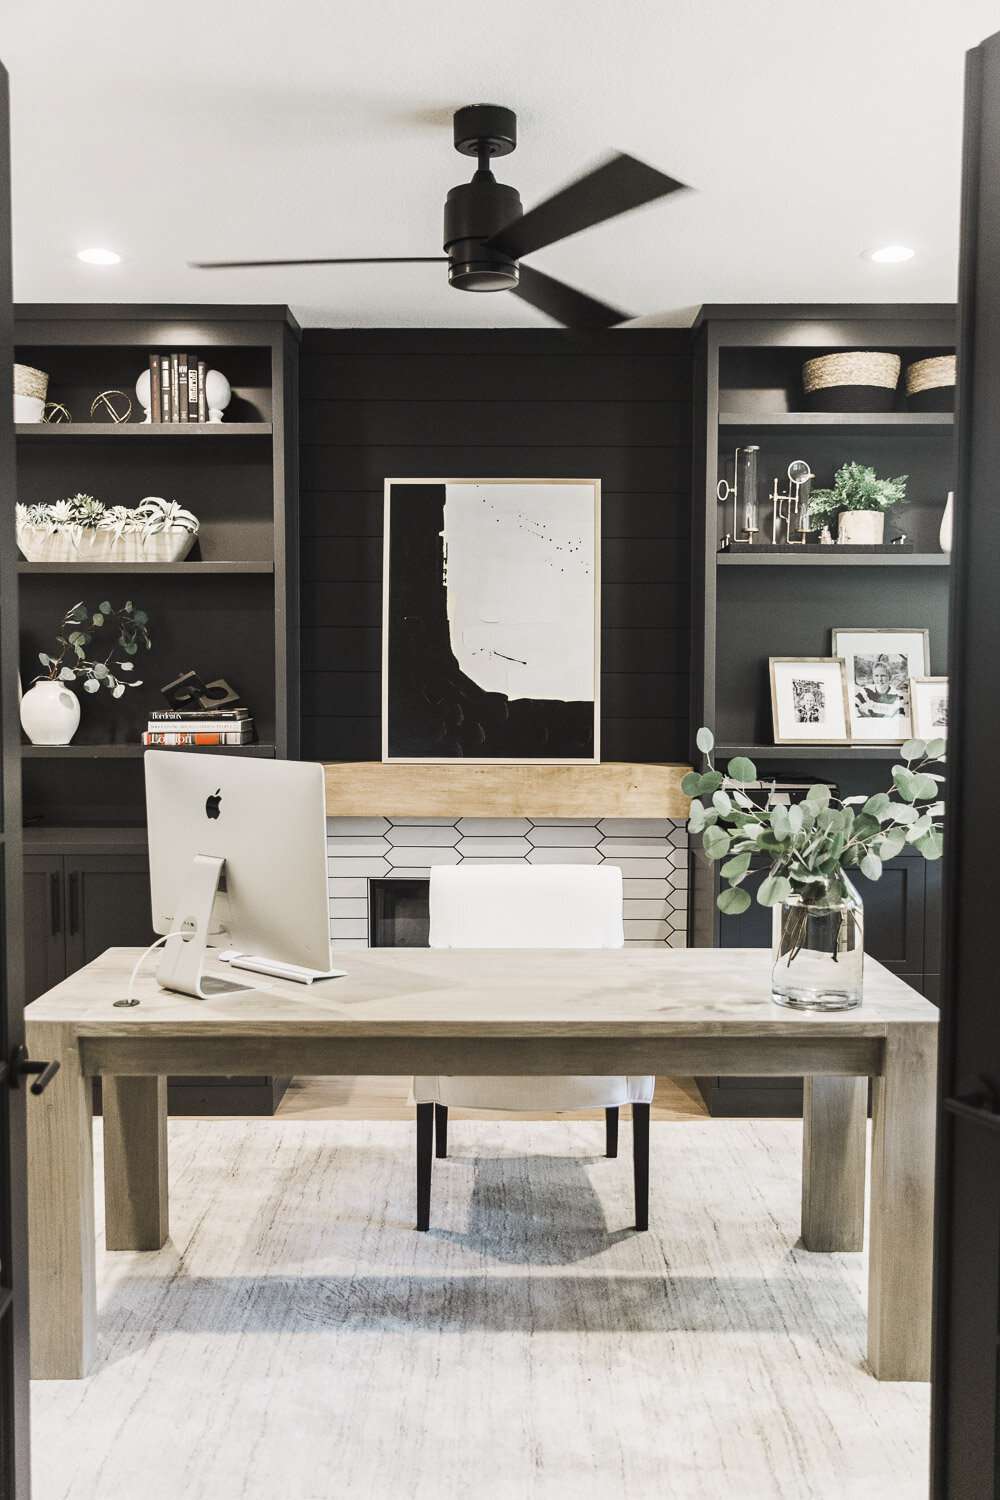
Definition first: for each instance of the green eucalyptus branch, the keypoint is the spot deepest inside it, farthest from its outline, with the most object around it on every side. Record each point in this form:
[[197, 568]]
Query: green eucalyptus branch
[[79, 626], [811, 844]]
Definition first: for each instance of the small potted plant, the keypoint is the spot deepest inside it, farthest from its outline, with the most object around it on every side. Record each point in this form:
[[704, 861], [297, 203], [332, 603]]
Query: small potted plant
[[50, 713], [807, 849], [860, 499], [83, 529]]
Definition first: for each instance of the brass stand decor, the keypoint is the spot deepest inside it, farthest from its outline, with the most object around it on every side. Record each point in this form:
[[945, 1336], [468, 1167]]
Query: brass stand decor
[[807, 849]]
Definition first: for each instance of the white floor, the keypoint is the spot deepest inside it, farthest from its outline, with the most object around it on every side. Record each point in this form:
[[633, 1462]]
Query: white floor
[[297, 1338]]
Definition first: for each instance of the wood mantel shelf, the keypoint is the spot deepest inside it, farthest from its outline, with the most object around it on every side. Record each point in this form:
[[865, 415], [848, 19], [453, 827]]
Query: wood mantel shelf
[[610, 789]]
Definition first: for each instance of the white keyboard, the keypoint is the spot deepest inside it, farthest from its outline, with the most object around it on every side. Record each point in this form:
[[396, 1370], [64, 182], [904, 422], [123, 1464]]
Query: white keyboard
[[276, 968]]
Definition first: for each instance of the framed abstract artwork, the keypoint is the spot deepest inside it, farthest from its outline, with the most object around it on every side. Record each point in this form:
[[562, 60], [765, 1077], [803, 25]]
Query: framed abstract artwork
[[491, 620]]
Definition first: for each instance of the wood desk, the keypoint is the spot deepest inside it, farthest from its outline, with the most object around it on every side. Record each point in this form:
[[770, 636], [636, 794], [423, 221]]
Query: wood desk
[[637, 1010]]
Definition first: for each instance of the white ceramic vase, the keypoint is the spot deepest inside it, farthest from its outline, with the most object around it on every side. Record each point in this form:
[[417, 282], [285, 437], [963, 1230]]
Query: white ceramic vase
[[50, 713], [861, 528], [944, 536], [218, 394]]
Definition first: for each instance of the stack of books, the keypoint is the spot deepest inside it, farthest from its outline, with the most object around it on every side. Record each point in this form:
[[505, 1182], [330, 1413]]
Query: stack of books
[[199, 726], [177, 388]]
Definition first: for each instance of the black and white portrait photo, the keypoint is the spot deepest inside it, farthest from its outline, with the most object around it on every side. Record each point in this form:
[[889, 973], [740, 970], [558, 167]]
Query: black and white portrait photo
[[879, 664], [491, 623], [929, 698], [809, 700]]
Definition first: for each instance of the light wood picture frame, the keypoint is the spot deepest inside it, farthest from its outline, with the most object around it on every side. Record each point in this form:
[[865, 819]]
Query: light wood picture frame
[[809, 704], [929, 707], [879, 661]]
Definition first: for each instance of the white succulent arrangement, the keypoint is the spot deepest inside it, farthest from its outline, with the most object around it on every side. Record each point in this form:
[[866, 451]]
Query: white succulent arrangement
[[83, 513]]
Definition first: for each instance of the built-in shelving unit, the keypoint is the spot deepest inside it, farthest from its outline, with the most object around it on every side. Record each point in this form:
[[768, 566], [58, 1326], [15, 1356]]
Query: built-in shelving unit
[[752, 604], [229, 610]]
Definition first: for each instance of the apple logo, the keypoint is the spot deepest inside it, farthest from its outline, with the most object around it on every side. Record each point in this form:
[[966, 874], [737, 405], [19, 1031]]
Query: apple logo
[[212, 803]]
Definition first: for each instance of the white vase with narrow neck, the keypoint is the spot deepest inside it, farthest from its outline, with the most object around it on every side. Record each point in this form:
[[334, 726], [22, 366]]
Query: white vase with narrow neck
[[944, 536], [50, 713], [861, 528]]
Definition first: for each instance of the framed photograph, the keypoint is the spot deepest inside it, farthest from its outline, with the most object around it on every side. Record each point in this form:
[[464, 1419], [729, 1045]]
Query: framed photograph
[[879, 663], [929, 706], [809, 700], [491, 620]]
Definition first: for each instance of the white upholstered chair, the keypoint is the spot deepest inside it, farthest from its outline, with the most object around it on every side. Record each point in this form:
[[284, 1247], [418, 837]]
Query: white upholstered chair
[[529, 906]]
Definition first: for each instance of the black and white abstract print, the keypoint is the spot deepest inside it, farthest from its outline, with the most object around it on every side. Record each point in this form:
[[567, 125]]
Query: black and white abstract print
[[490, 625]]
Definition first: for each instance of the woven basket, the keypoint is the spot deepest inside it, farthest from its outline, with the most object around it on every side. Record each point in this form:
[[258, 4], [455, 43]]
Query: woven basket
[[858, 380], [39, 545], [30, 382], [930, 383]]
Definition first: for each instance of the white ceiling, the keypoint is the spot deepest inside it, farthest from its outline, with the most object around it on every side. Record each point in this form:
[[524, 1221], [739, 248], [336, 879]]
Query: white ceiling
[[811, 130]]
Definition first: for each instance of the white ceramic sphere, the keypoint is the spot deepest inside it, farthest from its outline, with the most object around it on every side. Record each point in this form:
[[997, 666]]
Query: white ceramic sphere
[[218, 394], [142, 391]]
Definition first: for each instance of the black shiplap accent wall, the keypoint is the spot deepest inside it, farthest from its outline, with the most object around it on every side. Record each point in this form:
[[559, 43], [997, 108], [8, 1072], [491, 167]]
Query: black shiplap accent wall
[[504, 403]]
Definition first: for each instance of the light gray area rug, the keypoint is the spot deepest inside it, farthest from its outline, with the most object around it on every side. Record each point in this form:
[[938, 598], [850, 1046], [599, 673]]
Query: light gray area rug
[[297, 1338]]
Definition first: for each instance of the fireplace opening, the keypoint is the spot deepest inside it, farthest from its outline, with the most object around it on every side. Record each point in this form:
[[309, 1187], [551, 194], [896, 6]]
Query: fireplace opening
[[398, 913]]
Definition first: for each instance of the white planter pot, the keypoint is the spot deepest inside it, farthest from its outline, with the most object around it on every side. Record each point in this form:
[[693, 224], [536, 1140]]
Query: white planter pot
[[50, 713], [861, 528], [28, 408], [39, 545]]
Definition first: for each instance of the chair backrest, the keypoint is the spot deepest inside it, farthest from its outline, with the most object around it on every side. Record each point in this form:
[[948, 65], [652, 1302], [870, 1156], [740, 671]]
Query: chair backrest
[[526, 906]]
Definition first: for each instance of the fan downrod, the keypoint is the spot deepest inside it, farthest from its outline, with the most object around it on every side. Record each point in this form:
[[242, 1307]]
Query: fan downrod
[[477, 209]]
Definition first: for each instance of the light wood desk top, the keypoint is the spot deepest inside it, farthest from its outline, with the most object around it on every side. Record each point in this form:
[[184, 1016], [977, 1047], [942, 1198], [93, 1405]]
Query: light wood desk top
[[634, 992]]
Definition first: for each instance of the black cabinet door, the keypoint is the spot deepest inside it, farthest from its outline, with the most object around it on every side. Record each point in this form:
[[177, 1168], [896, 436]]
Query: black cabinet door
[[894, 915], [44, 924], [107, 905]]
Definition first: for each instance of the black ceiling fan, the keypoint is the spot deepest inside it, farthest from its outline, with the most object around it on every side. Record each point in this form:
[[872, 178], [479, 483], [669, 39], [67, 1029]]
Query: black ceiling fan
[[486, 231]]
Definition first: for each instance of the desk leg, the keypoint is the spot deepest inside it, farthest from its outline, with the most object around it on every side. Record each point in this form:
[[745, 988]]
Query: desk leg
[[63, 1275], [902, 1206], [834, 1115], [135, 1163]]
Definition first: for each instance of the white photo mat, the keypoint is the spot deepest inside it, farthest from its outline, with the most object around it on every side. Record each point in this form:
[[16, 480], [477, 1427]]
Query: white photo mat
[[809, 700], [929, 707]]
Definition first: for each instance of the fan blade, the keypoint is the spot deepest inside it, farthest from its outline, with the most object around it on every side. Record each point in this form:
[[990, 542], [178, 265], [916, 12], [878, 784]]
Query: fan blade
[[370, 260], [612, 188], [564, 303]]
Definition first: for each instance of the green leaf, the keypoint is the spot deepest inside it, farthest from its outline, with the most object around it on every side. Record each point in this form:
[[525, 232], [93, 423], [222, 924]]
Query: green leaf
[[704, 739], [818, 795], [140, 617], [97, 621], [91, 685], [44, 658], [100, 670], [795, 819], [871, 866], [773, 890], [735, 869], [878, 806], [741, 768], [690, 784], [892, 845], [709, 781], [936, 749], [903, 814], [931, 845], [722, 803], [732, 901], [925, 788], [715, 842], [696, 820], [779, 822], [130, 647], [905, 782], [105, 606], [913, 749], [66, 674]]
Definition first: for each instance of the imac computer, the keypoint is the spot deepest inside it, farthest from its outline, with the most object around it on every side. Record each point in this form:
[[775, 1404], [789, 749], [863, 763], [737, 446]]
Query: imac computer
[[237, 858]]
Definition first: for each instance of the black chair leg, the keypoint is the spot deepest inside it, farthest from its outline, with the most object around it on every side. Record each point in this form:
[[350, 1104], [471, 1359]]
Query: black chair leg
[[425, 1155], [611, 1131], [441, 1130], [640, 1163]]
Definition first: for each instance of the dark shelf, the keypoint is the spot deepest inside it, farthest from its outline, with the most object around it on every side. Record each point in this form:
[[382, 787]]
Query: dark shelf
[[832, 557], [942, 422], [147, 567], [135, 752], [809, 752], [66, 431]]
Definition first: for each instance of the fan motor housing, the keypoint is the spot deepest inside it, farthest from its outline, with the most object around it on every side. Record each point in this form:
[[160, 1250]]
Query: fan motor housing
[[472, 212]]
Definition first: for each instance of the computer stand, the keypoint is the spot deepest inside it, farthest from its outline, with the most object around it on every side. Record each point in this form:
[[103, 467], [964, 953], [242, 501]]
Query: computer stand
[[185, 951]]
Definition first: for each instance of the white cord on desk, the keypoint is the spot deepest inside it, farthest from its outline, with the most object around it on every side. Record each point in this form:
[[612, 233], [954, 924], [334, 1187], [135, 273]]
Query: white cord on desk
[[130, 999]]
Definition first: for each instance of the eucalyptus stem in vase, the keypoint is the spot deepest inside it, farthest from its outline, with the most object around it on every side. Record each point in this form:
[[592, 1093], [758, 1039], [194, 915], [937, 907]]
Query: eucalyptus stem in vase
[[807, 849]]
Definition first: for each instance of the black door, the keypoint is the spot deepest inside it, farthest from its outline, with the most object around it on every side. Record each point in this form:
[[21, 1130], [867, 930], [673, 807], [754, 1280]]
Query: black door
[[14, 1462], [967, 1271]]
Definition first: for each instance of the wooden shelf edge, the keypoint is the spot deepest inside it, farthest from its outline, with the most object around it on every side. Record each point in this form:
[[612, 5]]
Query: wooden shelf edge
[[189, 568], [809, 752], [821, 560], [914, 420], [136, 752], [64, 431]]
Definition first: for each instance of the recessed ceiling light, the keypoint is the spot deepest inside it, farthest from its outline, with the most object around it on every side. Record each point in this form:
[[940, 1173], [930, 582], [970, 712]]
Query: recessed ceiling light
[[97, 257], [891, 255]]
